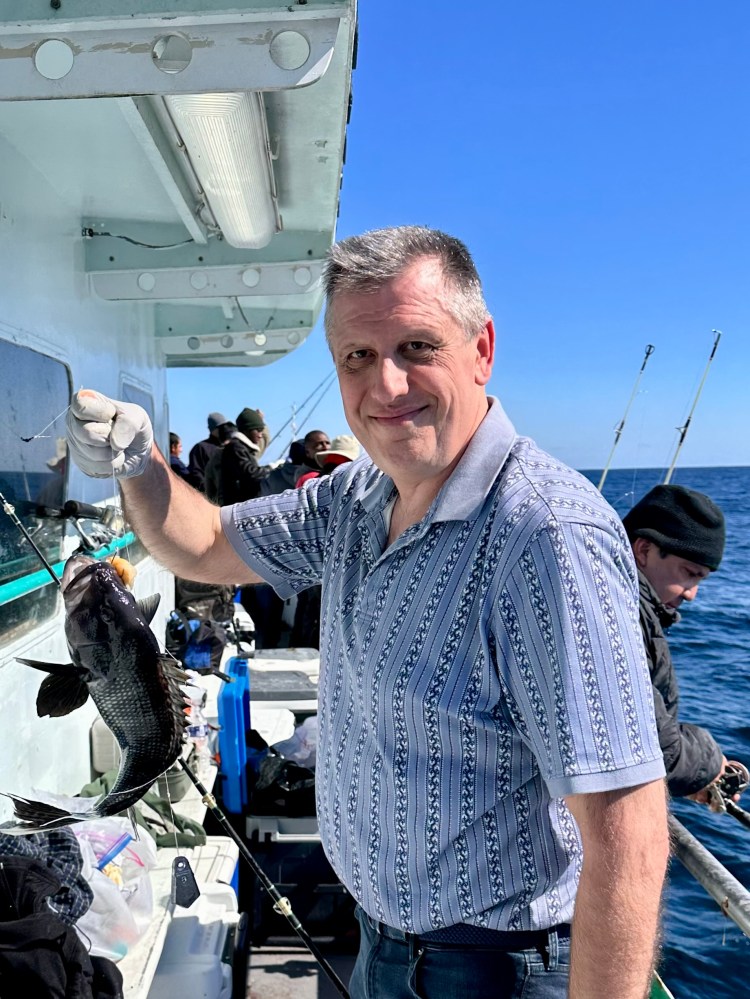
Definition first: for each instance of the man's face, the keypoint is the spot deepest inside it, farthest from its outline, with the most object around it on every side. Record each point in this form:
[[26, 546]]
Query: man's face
[[411, 383], [317, 441], [673, 578]]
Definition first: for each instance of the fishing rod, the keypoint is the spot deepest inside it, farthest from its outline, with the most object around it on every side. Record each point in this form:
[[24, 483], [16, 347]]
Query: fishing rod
[[684, 429], [331, 375], [281, 903], [10, 510], [621, 425]]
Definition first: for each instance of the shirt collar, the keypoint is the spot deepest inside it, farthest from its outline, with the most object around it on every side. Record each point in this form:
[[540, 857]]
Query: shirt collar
[[470, 482]]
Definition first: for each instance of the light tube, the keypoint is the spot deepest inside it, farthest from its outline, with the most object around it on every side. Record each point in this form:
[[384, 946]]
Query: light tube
[[226, 138]]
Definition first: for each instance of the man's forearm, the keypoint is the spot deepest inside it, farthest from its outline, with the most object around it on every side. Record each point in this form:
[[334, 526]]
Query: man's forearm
[[616, 922], [179, 527]]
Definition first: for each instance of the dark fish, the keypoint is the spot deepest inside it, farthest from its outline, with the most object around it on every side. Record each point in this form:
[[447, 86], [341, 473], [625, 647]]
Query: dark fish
[[116, 660]]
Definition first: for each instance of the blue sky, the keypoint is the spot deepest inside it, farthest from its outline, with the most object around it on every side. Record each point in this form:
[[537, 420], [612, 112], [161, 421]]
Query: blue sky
[[596, 160]]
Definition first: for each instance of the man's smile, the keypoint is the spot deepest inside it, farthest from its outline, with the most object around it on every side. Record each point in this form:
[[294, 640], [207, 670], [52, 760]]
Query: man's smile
[[398, 417]]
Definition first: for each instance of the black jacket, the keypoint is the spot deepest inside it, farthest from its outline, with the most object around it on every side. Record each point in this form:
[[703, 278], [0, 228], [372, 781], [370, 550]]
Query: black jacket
[[199, 458], [39, 954], [692, 757], [241, 474]]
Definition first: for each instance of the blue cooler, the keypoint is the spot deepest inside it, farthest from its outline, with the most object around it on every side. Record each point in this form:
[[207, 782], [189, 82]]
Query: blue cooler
[[234, 725]]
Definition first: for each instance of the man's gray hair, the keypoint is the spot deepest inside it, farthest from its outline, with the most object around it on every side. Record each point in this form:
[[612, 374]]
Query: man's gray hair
[[365, 263]]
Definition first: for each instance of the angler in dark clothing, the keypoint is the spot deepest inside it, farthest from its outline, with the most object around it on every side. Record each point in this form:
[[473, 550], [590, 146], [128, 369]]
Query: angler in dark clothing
[[241, 472], [692, 757], [678, 540], [286, 475], [201, 452], [241, 479], [212, 482]]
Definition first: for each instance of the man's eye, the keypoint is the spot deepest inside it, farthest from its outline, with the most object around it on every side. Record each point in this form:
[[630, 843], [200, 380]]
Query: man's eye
[[356, 358], [419, 347]]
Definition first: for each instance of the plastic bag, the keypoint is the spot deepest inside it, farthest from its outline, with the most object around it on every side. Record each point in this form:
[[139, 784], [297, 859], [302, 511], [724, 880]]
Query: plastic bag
[[303, 745], [282, 787], [123, 900]]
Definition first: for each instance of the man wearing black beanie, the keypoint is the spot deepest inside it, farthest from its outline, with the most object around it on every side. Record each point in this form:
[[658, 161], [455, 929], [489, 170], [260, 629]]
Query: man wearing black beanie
[[677, 537]]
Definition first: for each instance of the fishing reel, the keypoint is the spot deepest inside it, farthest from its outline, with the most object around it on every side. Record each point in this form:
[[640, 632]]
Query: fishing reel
[[734, 780]]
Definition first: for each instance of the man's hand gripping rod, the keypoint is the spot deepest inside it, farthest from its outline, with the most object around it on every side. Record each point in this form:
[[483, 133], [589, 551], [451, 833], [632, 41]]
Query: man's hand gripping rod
[[734, 780]]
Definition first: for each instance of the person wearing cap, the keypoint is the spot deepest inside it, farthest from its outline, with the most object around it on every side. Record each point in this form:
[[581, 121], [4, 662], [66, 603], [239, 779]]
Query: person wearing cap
[[241, 476], [678, 537], [201, 452], [488, 765], [340, 450], [241, 471]]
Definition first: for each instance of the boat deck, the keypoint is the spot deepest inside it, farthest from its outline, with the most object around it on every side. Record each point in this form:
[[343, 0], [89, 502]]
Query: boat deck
[[281, 970]]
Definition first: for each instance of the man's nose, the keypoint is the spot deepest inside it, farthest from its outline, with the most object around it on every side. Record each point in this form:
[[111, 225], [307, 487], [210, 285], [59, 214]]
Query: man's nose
[[691, 593], [391, 381]]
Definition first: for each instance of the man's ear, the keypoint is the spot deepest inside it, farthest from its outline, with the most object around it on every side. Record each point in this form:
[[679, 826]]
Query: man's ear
[[485, 344], [641, 548]]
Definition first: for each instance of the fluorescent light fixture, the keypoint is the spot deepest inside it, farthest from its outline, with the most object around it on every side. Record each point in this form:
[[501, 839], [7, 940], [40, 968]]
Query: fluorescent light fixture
[[227, 140]]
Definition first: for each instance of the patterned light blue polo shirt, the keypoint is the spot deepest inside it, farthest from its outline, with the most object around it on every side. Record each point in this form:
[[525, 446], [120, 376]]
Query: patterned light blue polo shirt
[[487, 663]]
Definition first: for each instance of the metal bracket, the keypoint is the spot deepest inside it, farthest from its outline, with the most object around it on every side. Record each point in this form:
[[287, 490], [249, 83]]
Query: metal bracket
[[294, 277], [148, 130], [227, 350], [154, 262], [199, 52], [192, 320]]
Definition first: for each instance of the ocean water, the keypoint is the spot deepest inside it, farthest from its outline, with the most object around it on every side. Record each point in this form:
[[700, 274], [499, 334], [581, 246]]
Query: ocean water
[[704, 955]]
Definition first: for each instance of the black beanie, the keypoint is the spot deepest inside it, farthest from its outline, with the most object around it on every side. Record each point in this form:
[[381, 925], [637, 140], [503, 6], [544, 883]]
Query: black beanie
[[681, 522], [249, 419]]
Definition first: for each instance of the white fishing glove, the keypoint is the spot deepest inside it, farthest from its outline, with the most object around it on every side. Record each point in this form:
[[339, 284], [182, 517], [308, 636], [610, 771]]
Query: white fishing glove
[[107, 437]]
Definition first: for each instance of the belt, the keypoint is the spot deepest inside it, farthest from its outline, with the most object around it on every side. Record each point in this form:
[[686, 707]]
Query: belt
[[464, 934]]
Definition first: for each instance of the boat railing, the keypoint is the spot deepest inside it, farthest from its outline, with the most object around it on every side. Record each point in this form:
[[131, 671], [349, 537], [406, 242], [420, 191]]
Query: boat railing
[[36, 580], [730, 894]]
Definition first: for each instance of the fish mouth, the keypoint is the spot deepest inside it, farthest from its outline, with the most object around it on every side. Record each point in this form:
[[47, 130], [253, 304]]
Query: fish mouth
[[75, 565]]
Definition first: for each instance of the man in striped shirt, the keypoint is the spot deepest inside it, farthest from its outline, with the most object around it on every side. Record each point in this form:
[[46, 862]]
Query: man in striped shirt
[[488, 760]]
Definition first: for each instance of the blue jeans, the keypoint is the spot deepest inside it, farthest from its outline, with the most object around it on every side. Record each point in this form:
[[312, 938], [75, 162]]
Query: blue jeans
[[396, 965]]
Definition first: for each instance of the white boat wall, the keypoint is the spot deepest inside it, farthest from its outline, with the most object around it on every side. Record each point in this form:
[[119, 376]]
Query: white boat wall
[[169, 185]]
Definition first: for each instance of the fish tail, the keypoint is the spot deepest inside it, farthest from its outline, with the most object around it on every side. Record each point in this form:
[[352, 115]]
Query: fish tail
[[36, 816]]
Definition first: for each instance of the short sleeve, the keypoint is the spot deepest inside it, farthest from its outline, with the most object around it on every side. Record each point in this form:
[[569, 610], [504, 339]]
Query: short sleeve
[[571, 660], [282, 537]]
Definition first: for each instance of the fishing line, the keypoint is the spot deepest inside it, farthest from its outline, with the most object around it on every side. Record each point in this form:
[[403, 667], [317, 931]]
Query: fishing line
[[41, 433], [26, 440], [331, 375], [307, 415]]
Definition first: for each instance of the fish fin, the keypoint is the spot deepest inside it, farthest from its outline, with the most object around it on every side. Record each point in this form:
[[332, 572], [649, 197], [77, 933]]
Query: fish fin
[[176, 677], [36, 816], [57, 669], [133, 822], [149, 605], [173, 668], [59, 695]]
